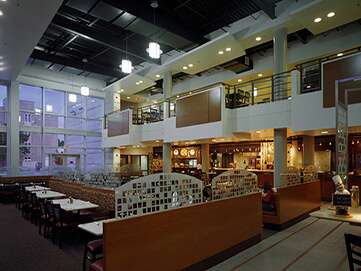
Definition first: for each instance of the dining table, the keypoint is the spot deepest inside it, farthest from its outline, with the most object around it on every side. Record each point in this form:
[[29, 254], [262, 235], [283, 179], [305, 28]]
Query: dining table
[[77, 204], [36, 188], [46, 194], [96, 227]]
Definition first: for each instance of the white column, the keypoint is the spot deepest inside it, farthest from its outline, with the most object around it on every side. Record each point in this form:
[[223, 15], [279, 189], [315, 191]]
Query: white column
[[167, 157], [167, 148], [13, 94], [280, 154], [308, 150], [205, 157], [280, 61]]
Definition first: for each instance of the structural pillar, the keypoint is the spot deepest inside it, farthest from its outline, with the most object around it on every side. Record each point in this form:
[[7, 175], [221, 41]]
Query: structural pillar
[[308, 150], [13, 137], [280, 154], [167, 92], [205, 157], [280, 62]]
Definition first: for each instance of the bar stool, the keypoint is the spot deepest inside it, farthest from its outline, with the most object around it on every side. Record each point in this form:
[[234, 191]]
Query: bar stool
[[92, 252]]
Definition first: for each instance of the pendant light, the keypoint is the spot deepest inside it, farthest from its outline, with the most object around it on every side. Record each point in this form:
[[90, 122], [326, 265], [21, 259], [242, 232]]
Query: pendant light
[[126, 63], [154, 50], [84, 90]]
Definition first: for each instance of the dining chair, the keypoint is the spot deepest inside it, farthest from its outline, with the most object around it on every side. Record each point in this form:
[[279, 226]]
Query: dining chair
[[353, 241], [49, 216], [97, 266], [43, 216], [27, 206], [35, 209], [61, 223]]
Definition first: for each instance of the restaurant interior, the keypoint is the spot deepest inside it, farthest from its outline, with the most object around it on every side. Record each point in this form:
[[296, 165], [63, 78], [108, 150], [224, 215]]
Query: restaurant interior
[[232, 142]]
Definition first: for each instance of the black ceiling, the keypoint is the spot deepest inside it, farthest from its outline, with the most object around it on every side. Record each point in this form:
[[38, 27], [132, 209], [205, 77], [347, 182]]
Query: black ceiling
[[91, 37]]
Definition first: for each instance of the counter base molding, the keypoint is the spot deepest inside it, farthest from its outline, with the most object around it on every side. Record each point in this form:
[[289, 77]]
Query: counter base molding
[[181, 238], [294, 204]]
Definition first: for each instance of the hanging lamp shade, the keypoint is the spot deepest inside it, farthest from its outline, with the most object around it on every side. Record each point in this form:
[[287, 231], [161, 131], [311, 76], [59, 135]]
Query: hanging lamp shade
[[84, 90], [154, 50], [126, 66]]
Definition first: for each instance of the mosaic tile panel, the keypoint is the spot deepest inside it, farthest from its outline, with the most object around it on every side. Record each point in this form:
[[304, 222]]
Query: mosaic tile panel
[[310, 174], [157, 193], [341, 142], [234, 183], [290, 176]]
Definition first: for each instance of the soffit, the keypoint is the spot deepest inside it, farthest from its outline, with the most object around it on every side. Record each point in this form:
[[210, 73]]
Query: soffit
[[206, 56], [129, 84], [22, 25], [346, 12]]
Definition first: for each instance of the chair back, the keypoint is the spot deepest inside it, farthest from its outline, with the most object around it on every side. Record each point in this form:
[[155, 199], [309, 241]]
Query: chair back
[[41, 203], [48, 209], [57, 215], [351, 252]]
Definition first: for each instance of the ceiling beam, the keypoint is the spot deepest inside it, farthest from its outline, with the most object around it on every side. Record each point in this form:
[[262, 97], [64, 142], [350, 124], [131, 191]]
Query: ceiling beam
[[147, 14], [77, 64], [94, 35], [267, 6]]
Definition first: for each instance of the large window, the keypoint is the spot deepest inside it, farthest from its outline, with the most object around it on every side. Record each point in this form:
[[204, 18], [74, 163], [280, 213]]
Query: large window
[[3, 124], [72, 125]]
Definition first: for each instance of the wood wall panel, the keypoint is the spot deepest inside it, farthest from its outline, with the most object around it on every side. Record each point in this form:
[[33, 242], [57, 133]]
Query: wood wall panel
[[118, 124], [341, 69], [176, 239], [192, 110], [214, 105]]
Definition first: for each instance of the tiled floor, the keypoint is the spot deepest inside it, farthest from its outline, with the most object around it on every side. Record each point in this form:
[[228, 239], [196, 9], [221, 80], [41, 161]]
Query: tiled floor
[[312, 244]]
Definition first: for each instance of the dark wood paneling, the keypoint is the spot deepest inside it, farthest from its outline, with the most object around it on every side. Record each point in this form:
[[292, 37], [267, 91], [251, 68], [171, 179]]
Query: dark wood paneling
[[176, 239], [214, 105], [192, 110], [118, 124], [337, 70]]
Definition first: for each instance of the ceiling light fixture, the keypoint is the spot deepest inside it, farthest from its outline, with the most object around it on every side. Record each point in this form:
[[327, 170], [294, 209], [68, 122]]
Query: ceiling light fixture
[[258, 38], [190, 65], [84, 90], [126, 63], [220, 52], [1, 13], [239, 80], [157, 75], [185, 67], [154, 50], [340, 54], [228, 49], [317, 20], [324, 132], [260, 74], [331, 14], [128, 97]]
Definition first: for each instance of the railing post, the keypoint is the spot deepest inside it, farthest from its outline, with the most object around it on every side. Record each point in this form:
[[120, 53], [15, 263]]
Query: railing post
[[273, 88], [319, 75], [252, 92]]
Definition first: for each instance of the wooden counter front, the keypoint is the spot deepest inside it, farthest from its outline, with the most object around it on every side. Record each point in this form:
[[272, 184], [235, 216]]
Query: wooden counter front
[[179, 238]]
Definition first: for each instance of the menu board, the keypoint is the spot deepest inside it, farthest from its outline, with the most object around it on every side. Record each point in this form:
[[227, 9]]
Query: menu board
[[342, 200]]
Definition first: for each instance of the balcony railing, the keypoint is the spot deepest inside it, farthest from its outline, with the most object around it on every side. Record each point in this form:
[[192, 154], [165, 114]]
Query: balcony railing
[[263, 90], [311, 73], [148, 114]]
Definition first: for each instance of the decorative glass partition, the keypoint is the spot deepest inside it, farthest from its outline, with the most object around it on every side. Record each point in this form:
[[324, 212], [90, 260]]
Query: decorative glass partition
[[310, 174], [290, 176], [234, 183], [157, 193]]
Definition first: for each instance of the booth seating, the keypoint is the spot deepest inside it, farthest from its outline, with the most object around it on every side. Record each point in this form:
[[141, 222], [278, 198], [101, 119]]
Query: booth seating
[[105, 198], [293, 203], [194, 237]]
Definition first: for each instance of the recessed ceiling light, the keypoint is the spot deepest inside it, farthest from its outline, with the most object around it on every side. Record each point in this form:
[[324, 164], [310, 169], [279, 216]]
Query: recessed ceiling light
[[137, 83], [260, 74], [214, 140], [331, 14], [118, 91], [122, 90], [190, 65], [1, 63], [228, 49], [258, 132], [1, 13], [258, 38], [340, 54], [317, 20], [239, 80], [140, 81], [157, 75], [155, 102], [185, 67], [220, 52], [190, 92], [324, 132], [177, 96], [128, 97]]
